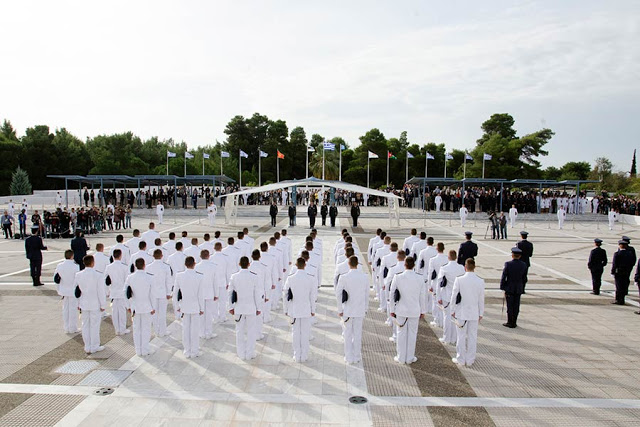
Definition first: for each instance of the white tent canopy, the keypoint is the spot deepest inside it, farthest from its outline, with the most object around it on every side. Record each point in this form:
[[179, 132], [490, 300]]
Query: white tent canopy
[[231, 211]]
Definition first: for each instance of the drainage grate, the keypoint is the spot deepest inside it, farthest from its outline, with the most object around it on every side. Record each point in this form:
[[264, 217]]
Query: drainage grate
[[358, 400], [77, 367], [105, 378], [104, 391]]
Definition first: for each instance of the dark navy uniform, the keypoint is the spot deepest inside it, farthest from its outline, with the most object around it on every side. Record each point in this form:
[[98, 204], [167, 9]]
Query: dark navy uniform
[[324, 210], [292, 215], [514, 279], [273, 211], [312, 211], [622, 265], [333, 214], [34, 247], [596, 264], [79, 247], [355, 213], [467, 250], [527, 250]]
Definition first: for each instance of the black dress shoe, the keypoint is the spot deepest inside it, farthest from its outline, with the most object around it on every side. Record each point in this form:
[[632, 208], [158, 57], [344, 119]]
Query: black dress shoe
[[508, 325], [636, 312], [594, 293], [38, 284]]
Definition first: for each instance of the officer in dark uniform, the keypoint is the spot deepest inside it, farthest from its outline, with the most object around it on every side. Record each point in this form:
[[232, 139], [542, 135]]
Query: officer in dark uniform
[[333, 214], [597, 261], [355, 213], [273, 211], [292, 215], [324, 210], [312, 212], [527, 250], [79, 247], [34, 246], [622, 265], [514, 278], [630, 248], [467, 249]]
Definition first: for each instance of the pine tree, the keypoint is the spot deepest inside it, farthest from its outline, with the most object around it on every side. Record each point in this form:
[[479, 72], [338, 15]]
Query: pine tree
[[633, 165], [20, 183]]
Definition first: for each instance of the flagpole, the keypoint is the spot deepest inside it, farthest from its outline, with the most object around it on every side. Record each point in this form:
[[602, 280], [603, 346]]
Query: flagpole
[[368, 160], [340, 167], [445, 165], [323, 161], [240, 168], [307, 164], [387, 168], [220, 164], [407, 174], [426, 165], [277, 167], [202, 164], [483, 166], [185, 164], [259, 171], [464, 173], [167, 162]]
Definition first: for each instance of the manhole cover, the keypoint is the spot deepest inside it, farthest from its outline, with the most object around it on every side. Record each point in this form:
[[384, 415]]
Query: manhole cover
[[358, 400], [103, 391], [77, 367]]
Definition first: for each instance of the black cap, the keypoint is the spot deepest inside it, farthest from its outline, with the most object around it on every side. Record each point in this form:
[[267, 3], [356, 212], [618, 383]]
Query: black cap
[[468, 233], [627, 239], [597, 240], [516, 250], [524, 233], [623, 242]]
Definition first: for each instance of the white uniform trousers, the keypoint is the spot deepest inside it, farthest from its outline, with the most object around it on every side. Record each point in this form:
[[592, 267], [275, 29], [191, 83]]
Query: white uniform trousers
[[245, 336], [119, 315], [266, 312], [206, 325], [277, 292], [142, 333], [512, 221], [212, 219], [463, 221], [376, 285], [611, 223], [70, 314], [301, 330], [219, 307], [384, 295], [160, 318], [174, 302], [259, 322], [449, 328], [91, 329], [560, 223], [429, 301], [436, 312], [191, 334], [406, 341], [160, 218], [467, 342], [353, 339], [107, 293]]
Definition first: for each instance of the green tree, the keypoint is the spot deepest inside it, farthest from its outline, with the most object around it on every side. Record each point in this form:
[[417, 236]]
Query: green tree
[[498, 124], [552, 173], [293, 164], [575, 170], [20, 183], [118, 154], [373, 141], [73, 153], [633, 171], [38, 150], [8, 132], [10, 153]]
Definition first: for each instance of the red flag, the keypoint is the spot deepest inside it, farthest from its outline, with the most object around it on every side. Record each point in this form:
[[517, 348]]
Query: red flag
[[390, 154], [280, 155]]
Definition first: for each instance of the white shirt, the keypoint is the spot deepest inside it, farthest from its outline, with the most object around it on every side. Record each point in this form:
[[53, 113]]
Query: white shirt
[[170, 247], [161, 279], [189, 285], [471, 306], [304, 290], [93, 295], [356, 283], [150, 237], [451, 271], [126, 253], [412, 294], [117, 272], [208, 270], [67, 270], [247, 288], [140, 283]]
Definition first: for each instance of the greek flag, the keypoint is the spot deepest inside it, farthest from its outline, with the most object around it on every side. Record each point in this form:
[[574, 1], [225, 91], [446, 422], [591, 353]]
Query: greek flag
[[243, 154], [409, 155], [430, 157], [224, 154], [328, 146], [487, 156], [170, 154], [468, 157], [448, 156], [342, 147], [188, 155], [263, 154], [205, 155]]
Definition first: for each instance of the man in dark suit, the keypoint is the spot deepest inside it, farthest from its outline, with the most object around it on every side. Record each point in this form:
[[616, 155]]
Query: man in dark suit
[[527, 250], [622, 265], [292, 214], [273, 211], [333, 214], [467, 249], [312, 212], [79, 247], [355, 213], [34, 247], [324, 210], [596, 264], [514, 278]]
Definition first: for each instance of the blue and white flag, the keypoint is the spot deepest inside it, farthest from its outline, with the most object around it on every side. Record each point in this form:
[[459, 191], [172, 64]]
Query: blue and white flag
[[342, 147], [487, 156], [310, 149], [205, 155], [328, 146], [430, 157], [468, 157], [409, 155], [263, 154], [448, 156], [243, 154], [170, 154], [188, 155], [224, 154]]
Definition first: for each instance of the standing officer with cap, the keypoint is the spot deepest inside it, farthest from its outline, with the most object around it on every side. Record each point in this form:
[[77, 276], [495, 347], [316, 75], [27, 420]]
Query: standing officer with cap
[[596, 264], [79, 247], [273, 212], [355, 213], [312, 212], [527, 250], [622, 265], [333, 214], [324, 211], [514, 278], [34, 247], [467, 249]]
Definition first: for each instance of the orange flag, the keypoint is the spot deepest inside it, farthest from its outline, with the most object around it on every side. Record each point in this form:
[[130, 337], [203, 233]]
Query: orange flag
[[280, 155]]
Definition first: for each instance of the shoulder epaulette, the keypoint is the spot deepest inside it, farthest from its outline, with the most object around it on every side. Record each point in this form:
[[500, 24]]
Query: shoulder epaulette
[[197, 272], [252, 272], [150, 274]]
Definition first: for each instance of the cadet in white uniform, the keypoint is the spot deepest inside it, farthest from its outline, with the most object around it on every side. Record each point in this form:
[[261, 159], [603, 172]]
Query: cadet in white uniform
[[438, 202], [139, 291], [193, 250], [161, 282], [407, 292], [422, 267], [468, 313], [170, 245], [250, 240], [243, 245], [271, 280], [64, 276], [513, 215], [300, 291], [464, 212], [133, 243], [613, 217], [244, 303], [388, 261], [176, 262], [210, 294], [562, 215], [233, 254], [212, 210], [221, 264], [432, 275], [396, 269], [100, 259], [409, 241], [260, 270], [286, 241], [126, 253], [352, 292], [207, 245], [383, 250], [447, 276], [12, 208], [190, 296], [114, 276], [142, 253], [372, 242], [419, 245], [150, 235], [89, 288], [277, 253], [186, 241], [160, 212]]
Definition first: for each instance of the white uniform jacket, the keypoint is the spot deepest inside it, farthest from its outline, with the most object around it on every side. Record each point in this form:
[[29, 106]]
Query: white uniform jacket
[[140, 283], [161, 279], [208, 270], [412, 294], [150, 237], [67, 270], [176, 261], [408, 244], [189, 286], [246, 285], [101, 260], [221, 262], [126, 252], [91, 286], [304, 289], [471, 288], [434, 267], [450, 271], [422, 264], [356, 283], [117, 273]]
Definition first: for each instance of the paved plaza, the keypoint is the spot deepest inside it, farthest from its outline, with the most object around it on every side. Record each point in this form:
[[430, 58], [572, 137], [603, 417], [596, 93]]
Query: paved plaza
[[573, 360]]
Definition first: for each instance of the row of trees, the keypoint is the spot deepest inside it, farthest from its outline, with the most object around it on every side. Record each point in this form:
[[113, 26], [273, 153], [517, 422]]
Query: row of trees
[[43, 152]]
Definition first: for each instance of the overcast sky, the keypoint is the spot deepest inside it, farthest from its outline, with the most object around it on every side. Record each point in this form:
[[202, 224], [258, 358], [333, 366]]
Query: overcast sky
[[182, 69]]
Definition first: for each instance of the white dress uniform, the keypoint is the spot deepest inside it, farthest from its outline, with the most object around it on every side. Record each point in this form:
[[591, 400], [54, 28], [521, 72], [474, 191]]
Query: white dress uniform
[[212, 210], [562, 215], [287, 251], [193, 251], [407, 311], [186, 242], [418, 247], [408, 244], [210, 295], [250, 240], [233, 258], [141, 308], [12, 208], [450, 271], [438, 201], [388, 261], [279, 255], [116, 274], [176, 262], [189, 285], [244, 247], [160, 212], [468, 312], [208, 246], [148, 259], [372, 242], [286, 254], [356, 284], [612, 216], [170, 247], [513, 215], [150, 237], [165, 254], [379, 254], [92, 300], [126, 253], [101, 261], [25, 206], [260, 270], [464, 212], [271, 278], [300, 309], [221, 264], [66, 273], [247, 288], [161, 282], [434, 267]]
